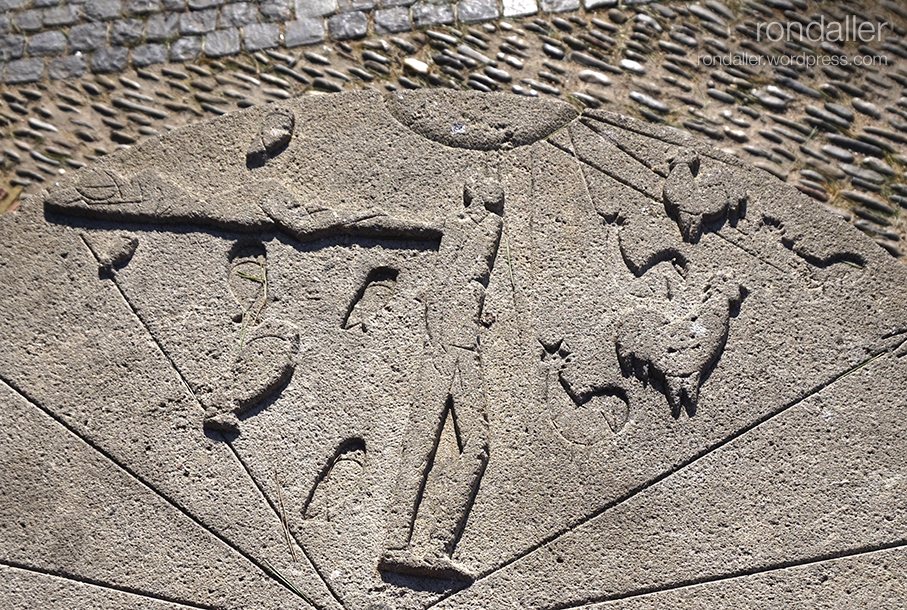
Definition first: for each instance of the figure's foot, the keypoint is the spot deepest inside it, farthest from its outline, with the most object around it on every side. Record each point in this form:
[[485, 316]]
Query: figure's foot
[[223, 422], [402, 561]]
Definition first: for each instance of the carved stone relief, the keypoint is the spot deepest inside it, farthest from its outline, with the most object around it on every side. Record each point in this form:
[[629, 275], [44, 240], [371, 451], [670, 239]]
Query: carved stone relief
[[447, 350]]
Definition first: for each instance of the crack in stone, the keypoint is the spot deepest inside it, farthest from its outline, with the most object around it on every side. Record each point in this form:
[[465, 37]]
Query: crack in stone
[[267, 500], [855, 552], [103, 585], [604, 171]]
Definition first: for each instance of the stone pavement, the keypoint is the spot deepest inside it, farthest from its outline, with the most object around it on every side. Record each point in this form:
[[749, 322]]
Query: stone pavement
[[62, 39], [837, 132]]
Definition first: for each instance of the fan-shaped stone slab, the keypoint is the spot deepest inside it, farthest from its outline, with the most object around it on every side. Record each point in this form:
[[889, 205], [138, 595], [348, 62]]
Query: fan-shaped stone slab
[[453, 350]]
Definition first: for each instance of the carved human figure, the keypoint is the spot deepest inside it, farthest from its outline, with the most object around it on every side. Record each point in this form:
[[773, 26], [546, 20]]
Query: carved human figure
[[450, 386]]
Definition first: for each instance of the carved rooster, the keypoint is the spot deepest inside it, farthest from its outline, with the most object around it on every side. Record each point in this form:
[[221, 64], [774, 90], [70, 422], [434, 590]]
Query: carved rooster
[[679, 351], [693, 197]]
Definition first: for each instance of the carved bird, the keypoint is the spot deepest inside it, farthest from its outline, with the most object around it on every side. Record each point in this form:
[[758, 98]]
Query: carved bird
[[693, 197], [679, 351]]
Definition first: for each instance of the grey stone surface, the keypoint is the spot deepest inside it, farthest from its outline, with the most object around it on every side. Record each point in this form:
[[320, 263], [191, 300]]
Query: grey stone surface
[[126, 31], [88, 36], [163, 26], [469, 11], [12, 46], [142, 7], [149, 54], [261, 36], [23, 71], [51, 42], [58, 16], [69, 66], [4, 25], [345, 6], [10, 5], [198, 22], [238, 14], [468, 351], [315, 8], [346, 26], [275, 10], [303, 31], [197, 5], [558, 6], [103, 10], [110, 59], [186, 48], [222, 42], [392, 20], [28, 21], [432, 14]]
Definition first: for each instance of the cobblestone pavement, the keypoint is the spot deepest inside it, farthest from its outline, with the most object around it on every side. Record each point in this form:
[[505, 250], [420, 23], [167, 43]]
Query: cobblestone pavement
[[81, 79]]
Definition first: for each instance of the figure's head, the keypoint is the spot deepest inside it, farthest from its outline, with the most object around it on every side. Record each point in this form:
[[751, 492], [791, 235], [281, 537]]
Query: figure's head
[[481, 194], [687, 157]]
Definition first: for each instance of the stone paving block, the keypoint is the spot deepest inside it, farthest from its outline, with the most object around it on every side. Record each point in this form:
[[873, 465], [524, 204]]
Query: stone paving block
[[304, 31], [222, 42], [597, 4], [29, 21], [315, 8], [470, 11], [198, 5], [103, 10], [173, 5], [23, 71], [432, 14], [142, 7], [275, 10], [186, 49], [57, 16], [126, 31], [347, 26], [392, 3], [390, 20], [163, 26], [149, 54], [11, 47], [198, 22], [11, 5], [520, 8], [261, 36], [110, 59], [4, 25], [238, 14], [45, 3], [345, 6], [51, 42], [558, 6], [68, 66], [88, 36]]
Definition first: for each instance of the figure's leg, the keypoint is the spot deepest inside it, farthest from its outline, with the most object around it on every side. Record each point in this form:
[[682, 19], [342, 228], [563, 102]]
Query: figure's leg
[[461, 480], [444, 514], [420, 441]]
